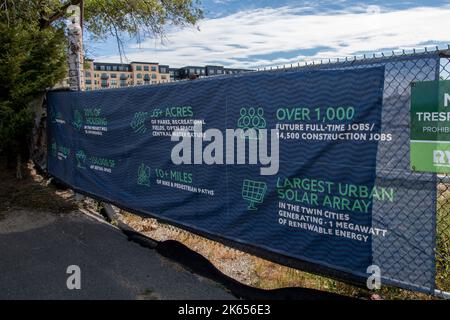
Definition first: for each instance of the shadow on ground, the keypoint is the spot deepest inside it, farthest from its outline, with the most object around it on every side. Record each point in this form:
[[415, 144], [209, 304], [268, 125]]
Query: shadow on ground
[[42, 232], [198, 264]]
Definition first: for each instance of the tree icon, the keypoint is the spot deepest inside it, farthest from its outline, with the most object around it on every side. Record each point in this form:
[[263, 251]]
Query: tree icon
[[143, 175], [138, 122], [81, 159], [78, 120]]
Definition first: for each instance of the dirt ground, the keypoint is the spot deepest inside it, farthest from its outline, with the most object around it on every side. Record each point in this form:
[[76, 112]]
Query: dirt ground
[[33, 192]]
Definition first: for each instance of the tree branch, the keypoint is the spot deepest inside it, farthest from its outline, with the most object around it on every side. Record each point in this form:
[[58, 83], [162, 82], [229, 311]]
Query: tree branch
[[45, 22]]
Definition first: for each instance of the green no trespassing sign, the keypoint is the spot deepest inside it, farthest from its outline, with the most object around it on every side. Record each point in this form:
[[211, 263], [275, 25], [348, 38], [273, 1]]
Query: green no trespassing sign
[[430, 126]]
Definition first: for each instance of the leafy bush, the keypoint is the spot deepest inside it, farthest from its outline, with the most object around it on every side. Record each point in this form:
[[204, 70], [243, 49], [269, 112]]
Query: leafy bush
[[31, 60]]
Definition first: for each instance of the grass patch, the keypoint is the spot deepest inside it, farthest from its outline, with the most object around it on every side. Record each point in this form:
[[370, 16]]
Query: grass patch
[[148, 295], [443, 238]]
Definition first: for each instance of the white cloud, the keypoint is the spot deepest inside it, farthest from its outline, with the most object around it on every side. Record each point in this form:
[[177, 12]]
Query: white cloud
[[236, 39]]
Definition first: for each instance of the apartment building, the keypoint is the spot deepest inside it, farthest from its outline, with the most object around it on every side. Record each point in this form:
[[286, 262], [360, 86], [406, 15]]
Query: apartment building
[[102, 75], [206, 71]]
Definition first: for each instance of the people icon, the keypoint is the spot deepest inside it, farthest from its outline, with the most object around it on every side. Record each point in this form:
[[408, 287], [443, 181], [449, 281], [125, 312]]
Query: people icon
[[251, 118], [244, 120], [260, 115]]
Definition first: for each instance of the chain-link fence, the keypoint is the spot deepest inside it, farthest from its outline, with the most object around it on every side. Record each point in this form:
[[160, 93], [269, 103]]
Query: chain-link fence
[[401, 70], [443, 210]]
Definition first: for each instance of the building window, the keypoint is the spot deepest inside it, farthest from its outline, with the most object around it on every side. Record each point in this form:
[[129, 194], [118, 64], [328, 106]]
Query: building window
[[113, 83], [88, 82], [146, 68], [153, 76], [113, 75], [138, 68], [154, 68], [104, 83], [163, 77], [139, 75], [123, 83], [87, 74], [163, 70]]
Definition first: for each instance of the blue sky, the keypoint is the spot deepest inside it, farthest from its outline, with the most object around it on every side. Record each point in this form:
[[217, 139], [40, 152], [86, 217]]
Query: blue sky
[[252, 34]]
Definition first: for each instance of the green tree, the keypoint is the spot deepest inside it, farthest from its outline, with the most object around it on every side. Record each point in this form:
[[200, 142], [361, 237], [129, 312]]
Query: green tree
[[31, 60], [106, 17], [102, 18], [33, 48]]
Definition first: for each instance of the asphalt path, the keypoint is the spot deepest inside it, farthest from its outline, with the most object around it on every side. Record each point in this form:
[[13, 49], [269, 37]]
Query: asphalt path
[[36, 248]]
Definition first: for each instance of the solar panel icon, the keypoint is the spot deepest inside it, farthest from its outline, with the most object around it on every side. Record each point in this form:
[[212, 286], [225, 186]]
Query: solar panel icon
[[253, 192]]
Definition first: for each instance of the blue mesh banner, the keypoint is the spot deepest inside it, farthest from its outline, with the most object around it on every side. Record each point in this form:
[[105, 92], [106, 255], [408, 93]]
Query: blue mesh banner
[[326, 194]]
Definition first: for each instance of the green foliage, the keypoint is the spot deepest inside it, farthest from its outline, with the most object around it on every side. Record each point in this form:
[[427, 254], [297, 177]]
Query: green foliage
[[33, 47], [31, 60], [138, 17], [104, 18]]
